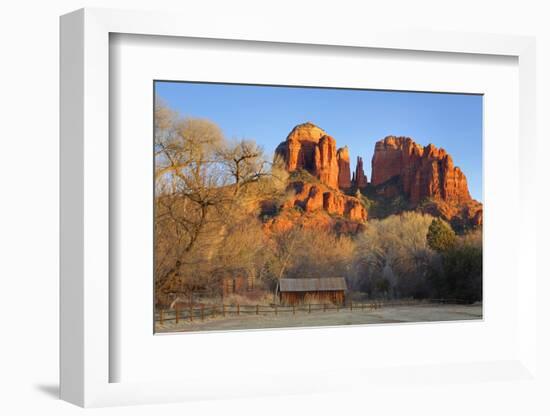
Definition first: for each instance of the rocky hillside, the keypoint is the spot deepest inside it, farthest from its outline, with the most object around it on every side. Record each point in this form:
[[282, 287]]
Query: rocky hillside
[[321, 189], [320, 177]]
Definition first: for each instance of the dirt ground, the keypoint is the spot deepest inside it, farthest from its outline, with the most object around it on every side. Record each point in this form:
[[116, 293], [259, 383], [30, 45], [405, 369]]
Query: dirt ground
[[388, 314]]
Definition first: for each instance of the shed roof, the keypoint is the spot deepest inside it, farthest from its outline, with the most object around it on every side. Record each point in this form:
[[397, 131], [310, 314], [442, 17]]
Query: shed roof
[[311, 285]]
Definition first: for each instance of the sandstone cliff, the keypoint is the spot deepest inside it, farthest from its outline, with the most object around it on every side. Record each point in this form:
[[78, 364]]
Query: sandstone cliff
[[310, 148], [421, 177], [326, 163], [320, 198], [344, 171], [424, 172], [426, 176], [298, 150]]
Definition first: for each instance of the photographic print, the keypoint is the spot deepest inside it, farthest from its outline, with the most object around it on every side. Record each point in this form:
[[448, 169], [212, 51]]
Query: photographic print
[[279, 207]]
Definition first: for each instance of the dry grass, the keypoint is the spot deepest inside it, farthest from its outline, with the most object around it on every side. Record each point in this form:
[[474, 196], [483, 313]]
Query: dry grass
[[386, 315], [251, 298]]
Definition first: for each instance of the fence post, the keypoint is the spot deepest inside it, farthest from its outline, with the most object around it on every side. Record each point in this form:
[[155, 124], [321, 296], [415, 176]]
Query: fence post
[[161, 316], [337, 307], [177, 314], [191, 313], [238, 309], [293, 309], [351, 306], [223, 309], [276, 313], [202, 312], [257, 309], [309, 308], [324, 307]]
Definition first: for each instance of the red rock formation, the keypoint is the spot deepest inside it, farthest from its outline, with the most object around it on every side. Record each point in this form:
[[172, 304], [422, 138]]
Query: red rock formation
[[359, 177], [315, 197], [294, 155], [355, 210], [326, 164], [314, 200], [322, 208], [320, 220], [308, 147], [334, 203], [301, 194], [466, 215], [425, 176], [477, 218], [424, 172], [298, 150], [346, 206], [344, 180]]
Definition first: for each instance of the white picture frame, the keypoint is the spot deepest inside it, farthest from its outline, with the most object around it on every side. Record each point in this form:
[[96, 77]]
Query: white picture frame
[[86, 356]]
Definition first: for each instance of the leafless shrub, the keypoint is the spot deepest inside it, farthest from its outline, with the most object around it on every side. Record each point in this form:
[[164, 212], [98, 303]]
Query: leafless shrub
[[392, 255]]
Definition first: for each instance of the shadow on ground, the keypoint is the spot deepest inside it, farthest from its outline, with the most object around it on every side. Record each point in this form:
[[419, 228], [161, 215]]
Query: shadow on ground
[[51, 390]]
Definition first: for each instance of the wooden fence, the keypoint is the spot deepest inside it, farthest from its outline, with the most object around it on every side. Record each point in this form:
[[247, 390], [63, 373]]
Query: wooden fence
[[201, 312]]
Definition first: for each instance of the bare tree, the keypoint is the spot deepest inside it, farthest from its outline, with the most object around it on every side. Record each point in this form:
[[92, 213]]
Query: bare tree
[[245, 163], [300, 253], [393, 253], [201, 194]]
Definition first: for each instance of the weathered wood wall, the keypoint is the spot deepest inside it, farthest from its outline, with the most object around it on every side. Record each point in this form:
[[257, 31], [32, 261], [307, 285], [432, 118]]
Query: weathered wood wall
[[295, 298]]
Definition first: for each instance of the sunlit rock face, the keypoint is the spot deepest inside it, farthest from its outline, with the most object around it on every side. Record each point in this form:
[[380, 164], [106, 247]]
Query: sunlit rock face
[[424, 172], [427, 177], [424, 176], [298, 150], [310, 148], [344, 171], [315, 197]]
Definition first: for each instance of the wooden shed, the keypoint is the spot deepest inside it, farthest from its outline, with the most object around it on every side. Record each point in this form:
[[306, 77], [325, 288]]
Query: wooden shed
[[316, 290]]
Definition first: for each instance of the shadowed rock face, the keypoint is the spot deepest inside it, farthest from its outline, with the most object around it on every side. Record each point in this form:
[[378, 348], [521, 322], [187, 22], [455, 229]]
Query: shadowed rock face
[[359, 178], [424, 172]]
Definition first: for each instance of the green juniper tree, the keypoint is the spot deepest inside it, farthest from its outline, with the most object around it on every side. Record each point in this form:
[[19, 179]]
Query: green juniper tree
[[441, 236]]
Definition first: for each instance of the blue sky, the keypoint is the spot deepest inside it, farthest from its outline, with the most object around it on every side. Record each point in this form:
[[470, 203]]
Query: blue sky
[[356, 118]]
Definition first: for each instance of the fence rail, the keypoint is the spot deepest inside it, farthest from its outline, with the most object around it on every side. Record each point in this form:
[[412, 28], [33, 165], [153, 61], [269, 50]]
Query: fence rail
[[201, 312]]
